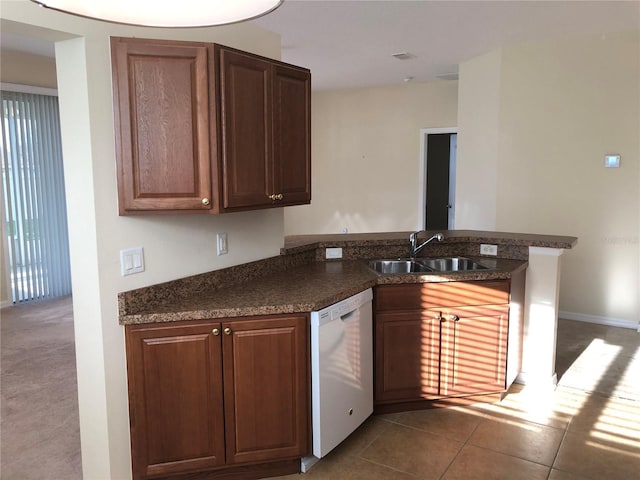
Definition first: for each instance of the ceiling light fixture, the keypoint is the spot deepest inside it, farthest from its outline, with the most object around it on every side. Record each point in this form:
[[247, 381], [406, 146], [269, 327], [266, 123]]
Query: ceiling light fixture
[[152, 13]]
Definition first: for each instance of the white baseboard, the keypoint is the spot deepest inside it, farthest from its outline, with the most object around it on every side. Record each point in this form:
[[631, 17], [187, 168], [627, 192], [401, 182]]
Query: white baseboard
[[608, 321], [6, 303], [537, 381]]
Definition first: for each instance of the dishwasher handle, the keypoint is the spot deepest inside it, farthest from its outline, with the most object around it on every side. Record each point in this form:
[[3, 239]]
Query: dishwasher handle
[[347, 316]]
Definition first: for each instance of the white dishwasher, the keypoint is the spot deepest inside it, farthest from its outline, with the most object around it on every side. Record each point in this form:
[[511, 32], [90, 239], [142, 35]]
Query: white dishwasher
[[341, 372]]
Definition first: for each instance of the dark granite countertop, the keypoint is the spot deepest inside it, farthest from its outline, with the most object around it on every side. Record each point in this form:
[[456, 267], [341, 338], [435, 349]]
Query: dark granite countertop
[[299, 289], [300, 281]]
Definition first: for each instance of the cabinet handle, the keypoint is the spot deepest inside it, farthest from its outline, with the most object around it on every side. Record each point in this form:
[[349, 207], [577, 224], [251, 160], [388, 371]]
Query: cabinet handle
[[227, 331], [279, 196], [205, 201], [452, 317], [272, 196], [440, 318], [216, 331], [275, 196]]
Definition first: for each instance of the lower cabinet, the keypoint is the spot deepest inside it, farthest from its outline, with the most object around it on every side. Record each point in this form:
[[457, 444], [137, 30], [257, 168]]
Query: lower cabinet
[[441, 340], [211, 395]]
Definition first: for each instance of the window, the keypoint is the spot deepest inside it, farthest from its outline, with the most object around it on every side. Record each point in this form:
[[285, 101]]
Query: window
[[35, 239]]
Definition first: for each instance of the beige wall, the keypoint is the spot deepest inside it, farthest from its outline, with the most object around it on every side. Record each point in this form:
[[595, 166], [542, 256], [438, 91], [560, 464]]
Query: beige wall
[[478, 140], [366, 157], [175, 246], [562, 106], [25, 69]]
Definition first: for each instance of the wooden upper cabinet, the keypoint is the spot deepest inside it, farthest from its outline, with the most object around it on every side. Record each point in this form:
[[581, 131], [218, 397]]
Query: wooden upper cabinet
[[292, 134], [245, 123], [162, 125], [207, 128], [265, 125]]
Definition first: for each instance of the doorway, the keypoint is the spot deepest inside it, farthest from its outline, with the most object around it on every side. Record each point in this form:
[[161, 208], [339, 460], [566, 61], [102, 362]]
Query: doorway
[[438, 163]]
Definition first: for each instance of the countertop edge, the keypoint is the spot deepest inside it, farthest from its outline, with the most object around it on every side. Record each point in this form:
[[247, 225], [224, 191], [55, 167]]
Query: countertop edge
[[301, 243]]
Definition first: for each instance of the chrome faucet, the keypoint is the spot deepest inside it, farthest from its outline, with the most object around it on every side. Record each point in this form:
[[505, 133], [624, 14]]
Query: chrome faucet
[[414, 248]]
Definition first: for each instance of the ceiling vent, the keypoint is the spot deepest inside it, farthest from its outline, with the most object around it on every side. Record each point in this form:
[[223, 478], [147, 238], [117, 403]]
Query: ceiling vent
[[403, 56], [447, 76]]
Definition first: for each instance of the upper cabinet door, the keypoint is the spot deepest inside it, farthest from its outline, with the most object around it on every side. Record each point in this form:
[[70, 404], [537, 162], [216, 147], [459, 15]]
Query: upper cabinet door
[[292, 134], [245, 126], [161, 100]]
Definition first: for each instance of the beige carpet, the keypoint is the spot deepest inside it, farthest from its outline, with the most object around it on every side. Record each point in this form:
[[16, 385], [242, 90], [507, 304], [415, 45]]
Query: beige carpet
[[40, 434]]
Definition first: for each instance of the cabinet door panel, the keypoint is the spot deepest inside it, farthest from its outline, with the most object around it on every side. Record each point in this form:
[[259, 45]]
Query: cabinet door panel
[[175, 383], [162, 125], [266, 389], [292, 134], [407, 357], [474, 350], [246, 129]]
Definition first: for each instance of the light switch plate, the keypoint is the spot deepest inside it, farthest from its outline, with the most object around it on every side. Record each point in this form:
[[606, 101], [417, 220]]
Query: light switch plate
[[131, 261], [333, 253], [486, 249], [222, 244]]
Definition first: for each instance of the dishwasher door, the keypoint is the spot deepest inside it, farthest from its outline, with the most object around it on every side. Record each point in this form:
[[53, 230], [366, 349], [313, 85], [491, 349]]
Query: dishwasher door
[[341, 370]]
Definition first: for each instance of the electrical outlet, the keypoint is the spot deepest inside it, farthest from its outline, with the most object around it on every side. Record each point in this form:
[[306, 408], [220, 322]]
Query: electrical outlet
[[486, 249], [131, 261], [222, 246], [333, 253]]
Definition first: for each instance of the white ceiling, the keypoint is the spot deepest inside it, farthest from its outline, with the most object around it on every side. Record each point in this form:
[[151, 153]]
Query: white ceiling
[[349, 44]]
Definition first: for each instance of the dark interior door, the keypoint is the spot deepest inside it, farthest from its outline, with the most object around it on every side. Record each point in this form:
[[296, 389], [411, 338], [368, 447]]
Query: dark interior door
[[437, 201]]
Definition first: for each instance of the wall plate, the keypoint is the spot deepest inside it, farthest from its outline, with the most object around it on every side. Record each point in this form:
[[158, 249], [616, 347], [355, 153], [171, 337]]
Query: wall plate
[[612, 161], [131, 261]]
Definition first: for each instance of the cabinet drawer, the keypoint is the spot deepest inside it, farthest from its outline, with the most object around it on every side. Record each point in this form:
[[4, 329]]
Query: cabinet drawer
[[418, 296]]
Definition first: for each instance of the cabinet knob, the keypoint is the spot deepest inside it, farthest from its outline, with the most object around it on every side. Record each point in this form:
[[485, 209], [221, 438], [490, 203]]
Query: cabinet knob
[[205, 201], [227, 331], [272, 196], [453, 318], [439, 317], [279, 196], [216, 331]]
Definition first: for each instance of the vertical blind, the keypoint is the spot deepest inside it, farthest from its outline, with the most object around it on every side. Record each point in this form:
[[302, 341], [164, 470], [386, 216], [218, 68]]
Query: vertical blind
[[37, 244]]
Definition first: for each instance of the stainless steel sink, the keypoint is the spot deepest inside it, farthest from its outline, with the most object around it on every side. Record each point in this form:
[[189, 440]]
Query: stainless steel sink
[[452, 264], [425, 265], [400, 265]]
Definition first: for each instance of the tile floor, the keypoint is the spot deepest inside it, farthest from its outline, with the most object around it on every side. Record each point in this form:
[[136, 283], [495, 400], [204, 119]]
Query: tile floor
[[558, 435], [562, 434], [587, 428]]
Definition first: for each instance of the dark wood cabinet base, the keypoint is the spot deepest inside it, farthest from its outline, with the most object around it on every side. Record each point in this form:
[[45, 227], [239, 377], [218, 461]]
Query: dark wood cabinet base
[[438, 403], [244, 472]]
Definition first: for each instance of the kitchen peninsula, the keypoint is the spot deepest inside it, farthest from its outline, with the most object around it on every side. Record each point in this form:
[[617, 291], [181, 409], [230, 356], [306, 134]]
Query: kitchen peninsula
[[223, 320]]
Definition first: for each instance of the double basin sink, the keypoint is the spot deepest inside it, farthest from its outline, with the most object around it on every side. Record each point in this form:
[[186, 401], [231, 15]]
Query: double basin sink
[[425, 265]]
